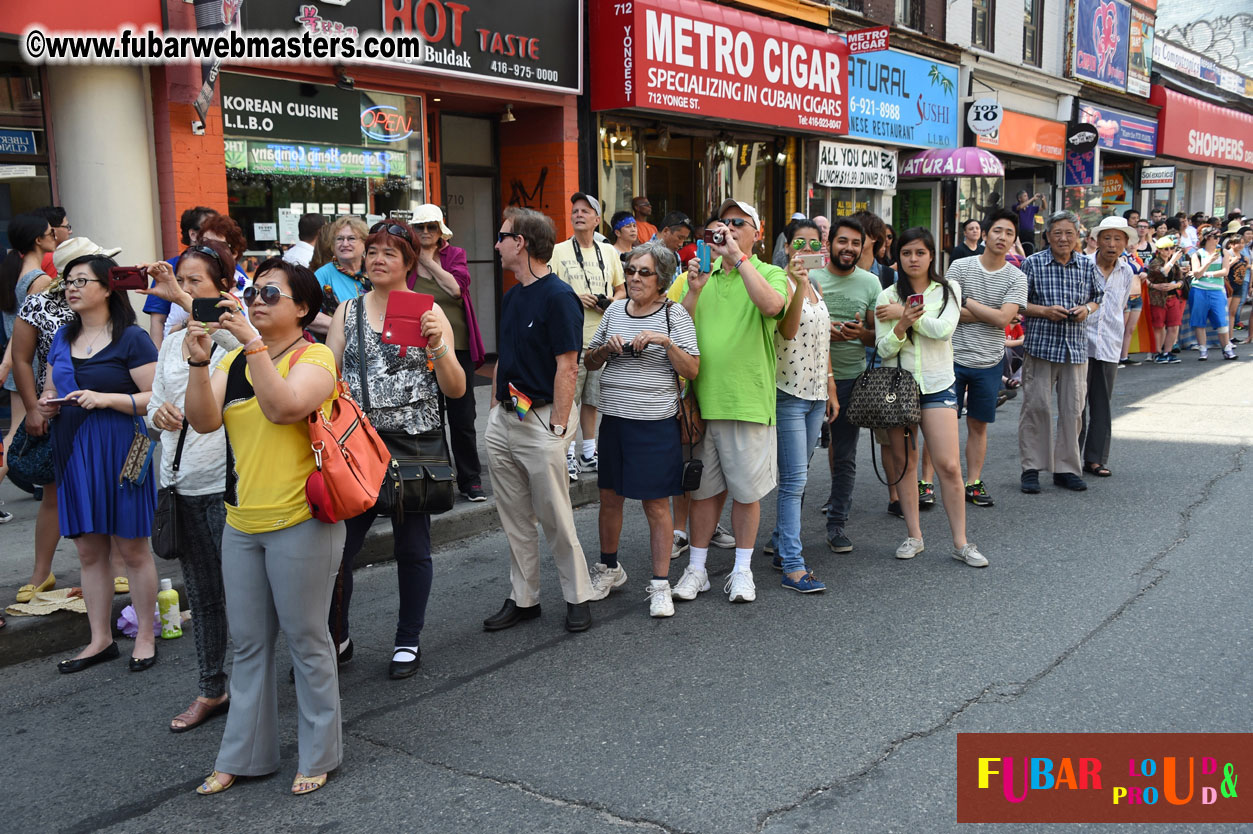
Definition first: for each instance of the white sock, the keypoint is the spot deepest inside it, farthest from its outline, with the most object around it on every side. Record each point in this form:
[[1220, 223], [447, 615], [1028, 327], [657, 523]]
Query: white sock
[[413, 650], [589, 448], [571, 452], [699, 554], [743, 555], [340, 648], [682, 534]]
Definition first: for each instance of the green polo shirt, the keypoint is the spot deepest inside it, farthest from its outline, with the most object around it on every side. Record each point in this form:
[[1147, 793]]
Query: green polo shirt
[[737, 358]]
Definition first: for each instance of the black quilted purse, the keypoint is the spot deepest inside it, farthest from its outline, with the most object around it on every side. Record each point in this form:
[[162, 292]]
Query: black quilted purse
[[420, 476], [885, 398]]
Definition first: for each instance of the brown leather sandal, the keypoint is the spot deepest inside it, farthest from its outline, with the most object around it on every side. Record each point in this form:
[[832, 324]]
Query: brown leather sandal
[[198, 713]]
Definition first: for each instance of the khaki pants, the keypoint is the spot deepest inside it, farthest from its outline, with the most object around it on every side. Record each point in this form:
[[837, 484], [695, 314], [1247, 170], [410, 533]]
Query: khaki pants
[[529, 479], [1039, 378]]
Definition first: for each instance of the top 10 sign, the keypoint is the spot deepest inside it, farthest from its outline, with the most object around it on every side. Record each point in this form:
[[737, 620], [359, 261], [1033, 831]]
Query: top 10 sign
[[708, 60]]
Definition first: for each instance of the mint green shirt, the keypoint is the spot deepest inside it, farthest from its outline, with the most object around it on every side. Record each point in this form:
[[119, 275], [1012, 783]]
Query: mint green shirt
[[847, 296]]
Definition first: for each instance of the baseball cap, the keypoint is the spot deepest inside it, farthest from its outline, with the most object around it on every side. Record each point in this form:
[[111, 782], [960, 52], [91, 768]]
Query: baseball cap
[[587, 198], [742, 206]]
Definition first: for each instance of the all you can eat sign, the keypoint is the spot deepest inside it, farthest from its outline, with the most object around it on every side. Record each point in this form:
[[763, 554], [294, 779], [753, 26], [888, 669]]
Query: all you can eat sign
[[844, 165], [717, 62]]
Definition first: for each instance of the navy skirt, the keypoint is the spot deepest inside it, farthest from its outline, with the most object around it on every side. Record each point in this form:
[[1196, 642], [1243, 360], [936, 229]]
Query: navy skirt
[[640, 459]]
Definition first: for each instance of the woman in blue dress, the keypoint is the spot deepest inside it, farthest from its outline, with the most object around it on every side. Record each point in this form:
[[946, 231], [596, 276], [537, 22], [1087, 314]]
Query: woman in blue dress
[[102, 364]]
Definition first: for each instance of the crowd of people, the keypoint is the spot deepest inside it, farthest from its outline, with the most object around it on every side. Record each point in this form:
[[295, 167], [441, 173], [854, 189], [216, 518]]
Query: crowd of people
[[673, 361]]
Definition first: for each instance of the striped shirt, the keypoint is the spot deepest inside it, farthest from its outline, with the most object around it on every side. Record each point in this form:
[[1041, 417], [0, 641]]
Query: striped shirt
[[977, 344], [643, 386], [1105, 326], [1051, 283], [1206, 277]]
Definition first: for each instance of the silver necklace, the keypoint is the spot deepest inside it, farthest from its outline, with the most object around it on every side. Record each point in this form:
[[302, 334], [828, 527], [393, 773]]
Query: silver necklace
[[92, 345]]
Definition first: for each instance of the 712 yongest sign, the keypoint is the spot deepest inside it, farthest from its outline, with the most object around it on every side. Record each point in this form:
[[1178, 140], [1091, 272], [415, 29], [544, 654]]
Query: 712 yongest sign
[[718, 62]]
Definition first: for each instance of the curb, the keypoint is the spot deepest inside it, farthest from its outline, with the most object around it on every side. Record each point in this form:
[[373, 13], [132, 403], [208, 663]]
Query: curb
[[30, 638]]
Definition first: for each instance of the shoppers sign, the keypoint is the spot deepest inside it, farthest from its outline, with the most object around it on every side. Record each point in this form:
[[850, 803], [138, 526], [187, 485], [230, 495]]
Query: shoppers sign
[[536, 43], [842, 165], [313, 160], [1028, 136], [1157, 176], [1200, 131], [718, 63], [1101, 42], [1120, 131], [1140, 52], [904, 99]]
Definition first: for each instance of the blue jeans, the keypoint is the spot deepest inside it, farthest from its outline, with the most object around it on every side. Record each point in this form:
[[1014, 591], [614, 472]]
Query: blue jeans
[[844, 460], [798, 423]]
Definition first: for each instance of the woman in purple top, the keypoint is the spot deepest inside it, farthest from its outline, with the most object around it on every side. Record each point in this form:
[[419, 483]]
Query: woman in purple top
[[442, 271], [1027, 208]]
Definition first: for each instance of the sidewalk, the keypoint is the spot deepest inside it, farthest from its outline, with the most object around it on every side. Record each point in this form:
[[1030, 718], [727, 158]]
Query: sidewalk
[[30, 637]]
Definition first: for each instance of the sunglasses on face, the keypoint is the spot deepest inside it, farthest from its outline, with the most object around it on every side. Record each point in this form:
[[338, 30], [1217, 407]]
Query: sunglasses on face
[[427, 227], [500, 236], [798, 243], [737, 222], [270, 294], [393, 229], [642, 271]]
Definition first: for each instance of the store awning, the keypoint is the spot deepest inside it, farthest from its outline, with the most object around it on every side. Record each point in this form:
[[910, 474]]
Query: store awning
[[953, 162], [1201, 131]]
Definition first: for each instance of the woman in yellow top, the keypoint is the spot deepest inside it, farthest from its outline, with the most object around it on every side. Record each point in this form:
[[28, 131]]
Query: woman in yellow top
[[278, 562]]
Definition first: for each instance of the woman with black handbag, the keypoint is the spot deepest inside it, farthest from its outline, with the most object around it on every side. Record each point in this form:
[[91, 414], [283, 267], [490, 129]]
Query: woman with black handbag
[[400, 388], [191, 509], [915, 319]]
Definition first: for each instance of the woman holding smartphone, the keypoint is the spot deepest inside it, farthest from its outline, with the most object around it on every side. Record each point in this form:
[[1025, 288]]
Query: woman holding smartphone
[[919, 313], [405, 385], [101, 369], [205, 272], [805, 395], [278, 562]]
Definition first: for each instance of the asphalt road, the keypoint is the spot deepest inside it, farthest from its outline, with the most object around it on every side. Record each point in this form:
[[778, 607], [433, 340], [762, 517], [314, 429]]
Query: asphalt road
[[1125, 608]]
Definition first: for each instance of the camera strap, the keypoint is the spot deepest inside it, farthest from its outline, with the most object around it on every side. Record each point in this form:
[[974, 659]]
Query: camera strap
[[600, 261]]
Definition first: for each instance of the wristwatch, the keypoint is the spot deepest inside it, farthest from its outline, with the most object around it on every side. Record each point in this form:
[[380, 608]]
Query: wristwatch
[[556, 429]]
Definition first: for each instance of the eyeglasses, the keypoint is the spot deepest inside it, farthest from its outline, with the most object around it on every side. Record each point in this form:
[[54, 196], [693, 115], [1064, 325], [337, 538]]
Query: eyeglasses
[[347, 239], [393, 229], [65, 225], [642, 271], [737, 222], [270, 294], [80, 282], [500, 236], [428, 227], [798, 243]]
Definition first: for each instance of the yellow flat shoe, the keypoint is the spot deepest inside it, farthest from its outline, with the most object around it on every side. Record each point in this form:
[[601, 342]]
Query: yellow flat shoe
[[307, 784], [27, 592], [214, 785], [121, 585]]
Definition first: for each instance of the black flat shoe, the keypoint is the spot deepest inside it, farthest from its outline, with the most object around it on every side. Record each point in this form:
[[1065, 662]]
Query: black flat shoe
[[69, 667], [141, 664], [346, 655], [1070, 481], [509, 616], [399, 669], [1031, 481], [578, 616]]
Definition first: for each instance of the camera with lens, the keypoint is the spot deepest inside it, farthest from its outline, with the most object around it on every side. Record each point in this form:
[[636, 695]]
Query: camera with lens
[[629, 350], [715, 236], [603, 301]]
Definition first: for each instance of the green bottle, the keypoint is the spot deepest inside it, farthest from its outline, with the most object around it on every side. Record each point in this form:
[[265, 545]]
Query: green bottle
[[167, 608]]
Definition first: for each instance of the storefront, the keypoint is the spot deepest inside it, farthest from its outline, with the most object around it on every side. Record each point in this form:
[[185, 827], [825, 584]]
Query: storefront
[[696, 104], [1031, 149], [25, 179], [849, 177], [1211, 149], [477, 124], [1105, 181], [971, 180]]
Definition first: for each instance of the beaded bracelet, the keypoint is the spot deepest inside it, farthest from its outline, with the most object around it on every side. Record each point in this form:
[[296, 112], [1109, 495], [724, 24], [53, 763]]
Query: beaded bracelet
[[261, 349]]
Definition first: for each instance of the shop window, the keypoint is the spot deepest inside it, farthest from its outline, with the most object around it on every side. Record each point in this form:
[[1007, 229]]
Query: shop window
[[1235, 194], [1220, 195], [981, 23], [1032, 46], [616, 168], [25, 183], [910, 13], [857, 6], [979, 196], [838, 202]]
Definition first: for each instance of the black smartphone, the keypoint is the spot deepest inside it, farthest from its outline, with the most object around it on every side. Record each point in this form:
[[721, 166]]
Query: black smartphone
[[206, 309]]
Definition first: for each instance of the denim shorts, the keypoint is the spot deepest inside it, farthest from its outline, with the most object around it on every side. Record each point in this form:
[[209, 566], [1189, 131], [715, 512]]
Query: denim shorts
[[940, 399], [1135, 302], [980, 386]]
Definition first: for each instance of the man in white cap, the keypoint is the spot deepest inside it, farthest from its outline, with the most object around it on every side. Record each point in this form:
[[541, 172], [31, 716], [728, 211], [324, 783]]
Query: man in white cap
[[735, 308], [1105, 331], [594, 270]]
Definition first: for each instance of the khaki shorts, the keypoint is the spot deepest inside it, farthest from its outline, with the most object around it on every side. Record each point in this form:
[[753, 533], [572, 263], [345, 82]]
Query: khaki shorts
[[587, 387], [740, 458]]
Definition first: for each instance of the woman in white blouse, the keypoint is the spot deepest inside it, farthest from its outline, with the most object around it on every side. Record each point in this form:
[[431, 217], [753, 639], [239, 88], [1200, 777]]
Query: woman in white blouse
[[805, 394], [919, 337]]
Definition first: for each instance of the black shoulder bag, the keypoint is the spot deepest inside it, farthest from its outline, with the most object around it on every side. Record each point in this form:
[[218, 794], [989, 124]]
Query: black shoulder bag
[[165, 526], [420, 476]]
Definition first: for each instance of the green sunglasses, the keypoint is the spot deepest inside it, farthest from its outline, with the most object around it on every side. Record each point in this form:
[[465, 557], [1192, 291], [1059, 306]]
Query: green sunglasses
[[798, 243]]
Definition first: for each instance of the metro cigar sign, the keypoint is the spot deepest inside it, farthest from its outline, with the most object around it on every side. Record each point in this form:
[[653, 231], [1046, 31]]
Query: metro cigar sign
[[717, 62]]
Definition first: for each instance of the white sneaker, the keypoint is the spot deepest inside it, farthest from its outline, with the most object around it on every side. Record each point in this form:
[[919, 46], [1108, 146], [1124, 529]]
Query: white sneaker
[[722, 538], [909, 548], [740, 587], [691, 583], [971, 556], [589, 464], [605, 579], [572, 466], [680, 546], [660, 600]]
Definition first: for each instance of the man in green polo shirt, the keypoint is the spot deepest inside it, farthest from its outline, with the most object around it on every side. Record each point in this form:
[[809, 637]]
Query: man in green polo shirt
[[735, 309], [850, 294]]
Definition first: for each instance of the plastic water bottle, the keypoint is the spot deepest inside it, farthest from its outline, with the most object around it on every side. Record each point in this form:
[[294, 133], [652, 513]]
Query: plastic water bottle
[[167, 606]]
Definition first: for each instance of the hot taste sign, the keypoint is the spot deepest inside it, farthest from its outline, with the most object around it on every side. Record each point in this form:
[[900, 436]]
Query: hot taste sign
[[716, 62]]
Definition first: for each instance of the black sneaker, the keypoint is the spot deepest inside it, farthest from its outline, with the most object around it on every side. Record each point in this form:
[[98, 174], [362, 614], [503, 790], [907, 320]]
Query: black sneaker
[[1070, 481], [977, 494], [838, 542], [1131, 363], [894, 508], [1031, 481], [474, 492]]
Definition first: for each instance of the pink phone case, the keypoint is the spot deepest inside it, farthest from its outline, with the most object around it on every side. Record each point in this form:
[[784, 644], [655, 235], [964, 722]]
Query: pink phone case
[[402, 323]]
